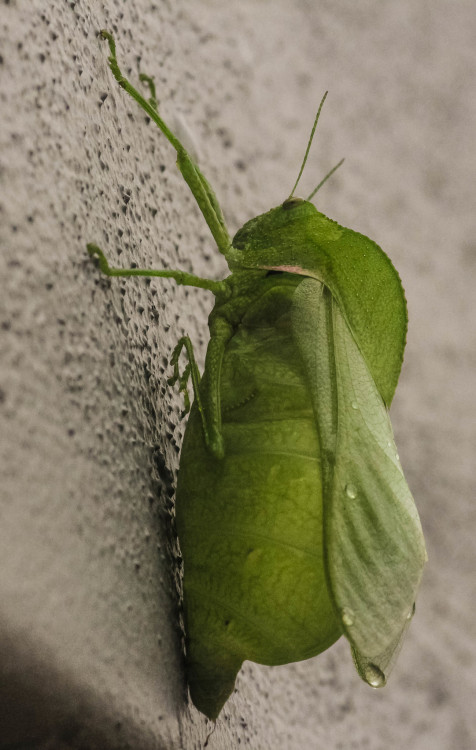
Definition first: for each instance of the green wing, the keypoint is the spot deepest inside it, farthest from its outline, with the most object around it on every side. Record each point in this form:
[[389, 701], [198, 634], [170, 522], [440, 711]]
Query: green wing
[[374, 547]]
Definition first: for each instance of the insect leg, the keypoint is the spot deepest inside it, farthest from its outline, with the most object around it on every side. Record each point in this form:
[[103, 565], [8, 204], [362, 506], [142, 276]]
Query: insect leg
[[197, 182], [209, 402], [206, 391], [207, 399], [190, 370], [180, 277], [220, 333], [150, 83]]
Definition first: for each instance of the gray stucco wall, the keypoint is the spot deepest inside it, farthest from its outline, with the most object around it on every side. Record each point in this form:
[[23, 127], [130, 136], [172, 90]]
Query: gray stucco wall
[[90, 644]]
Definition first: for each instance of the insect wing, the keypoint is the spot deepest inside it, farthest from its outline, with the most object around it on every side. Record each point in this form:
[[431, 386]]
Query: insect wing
[[373, 542], [376, 670]]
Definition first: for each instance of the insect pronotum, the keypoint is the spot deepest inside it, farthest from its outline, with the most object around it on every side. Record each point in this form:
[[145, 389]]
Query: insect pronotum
[[294, 519]]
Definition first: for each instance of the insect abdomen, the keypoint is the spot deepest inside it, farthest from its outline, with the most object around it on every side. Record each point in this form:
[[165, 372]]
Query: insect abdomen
[[250, 525]]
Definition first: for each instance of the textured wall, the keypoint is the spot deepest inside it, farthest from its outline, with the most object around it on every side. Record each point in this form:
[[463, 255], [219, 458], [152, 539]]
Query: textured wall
[[90, 644]]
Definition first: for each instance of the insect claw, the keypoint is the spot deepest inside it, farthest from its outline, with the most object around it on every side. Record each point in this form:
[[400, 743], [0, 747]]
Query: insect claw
[[96, 252], [150, 83]]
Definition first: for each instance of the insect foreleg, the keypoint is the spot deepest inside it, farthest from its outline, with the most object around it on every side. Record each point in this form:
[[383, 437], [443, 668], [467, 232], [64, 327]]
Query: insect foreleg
[[150, 83], [198, 184], [180, 277]]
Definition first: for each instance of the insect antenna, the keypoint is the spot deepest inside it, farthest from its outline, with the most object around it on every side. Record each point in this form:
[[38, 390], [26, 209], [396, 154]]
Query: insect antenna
[[308, 146], [324, 180]]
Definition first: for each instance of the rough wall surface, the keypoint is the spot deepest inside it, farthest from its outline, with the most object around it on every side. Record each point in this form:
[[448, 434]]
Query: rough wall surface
[[90, 643]]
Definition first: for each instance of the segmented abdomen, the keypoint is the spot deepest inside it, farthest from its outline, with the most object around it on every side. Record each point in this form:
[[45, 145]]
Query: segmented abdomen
[[250, 525]]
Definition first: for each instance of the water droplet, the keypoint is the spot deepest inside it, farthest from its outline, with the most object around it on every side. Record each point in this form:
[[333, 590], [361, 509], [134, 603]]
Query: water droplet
[[397, 456], [412, 612], [374, 676], [351, 491], [354, 405], [347, 616]]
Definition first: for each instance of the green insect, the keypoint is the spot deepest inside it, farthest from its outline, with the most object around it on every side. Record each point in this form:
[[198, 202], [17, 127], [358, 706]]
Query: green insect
[[294, 518]]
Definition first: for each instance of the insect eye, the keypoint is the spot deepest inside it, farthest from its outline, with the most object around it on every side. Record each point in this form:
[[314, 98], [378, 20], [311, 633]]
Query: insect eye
[[291, 203]]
